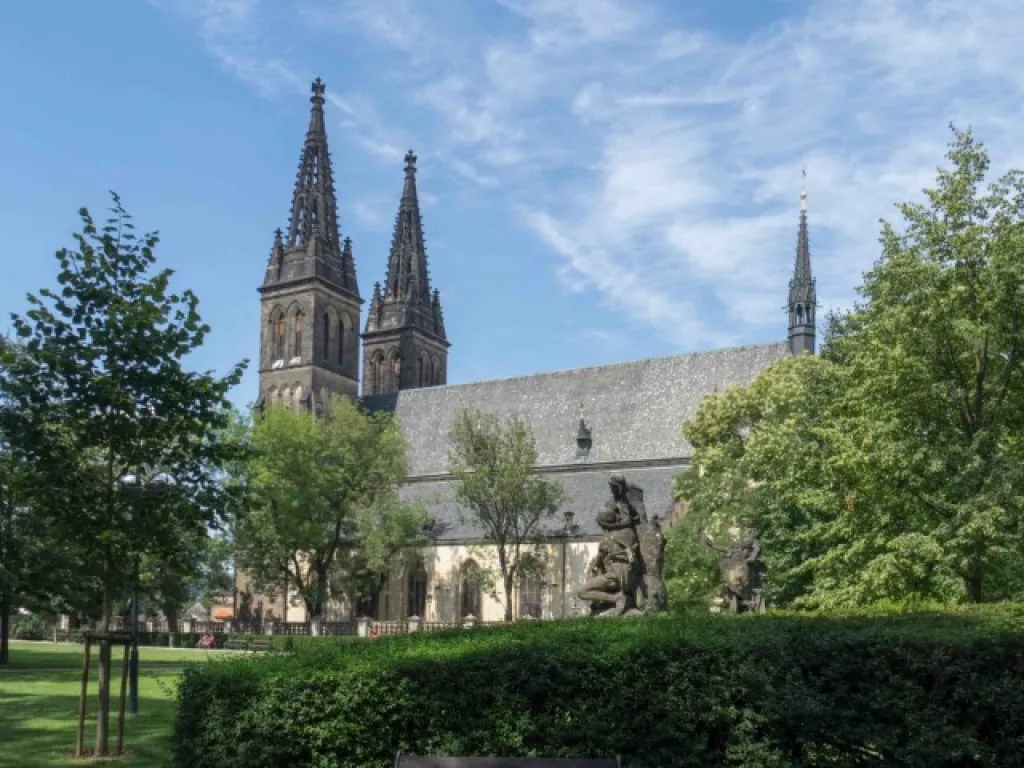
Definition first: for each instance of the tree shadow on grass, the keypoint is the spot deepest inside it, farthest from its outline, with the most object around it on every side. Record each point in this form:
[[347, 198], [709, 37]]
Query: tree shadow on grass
[[39, 716]]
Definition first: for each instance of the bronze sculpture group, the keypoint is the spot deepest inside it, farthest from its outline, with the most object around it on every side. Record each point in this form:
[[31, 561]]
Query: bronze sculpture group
[[625, 577], [742, 575]]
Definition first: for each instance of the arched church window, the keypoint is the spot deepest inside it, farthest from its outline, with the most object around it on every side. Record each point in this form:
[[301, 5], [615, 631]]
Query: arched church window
[[396, 371], [327, 337], [530, 596], [376, 373], [297, 341], [419, 372], [341, 340], [417, 589], [279, 338], [469, 590], [799, 314]]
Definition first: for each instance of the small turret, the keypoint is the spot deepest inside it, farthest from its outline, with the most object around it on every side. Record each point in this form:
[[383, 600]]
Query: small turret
[[803, 303]]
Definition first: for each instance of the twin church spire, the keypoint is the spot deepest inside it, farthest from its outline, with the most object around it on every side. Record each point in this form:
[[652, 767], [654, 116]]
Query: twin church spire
[[311, 247], [405, 345], [311, 302]]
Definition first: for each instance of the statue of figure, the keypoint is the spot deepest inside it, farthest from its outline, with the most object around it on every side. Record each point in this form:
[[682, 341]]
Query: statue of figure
[[654, 596], [615, 570], [626, 573], [742, 574]]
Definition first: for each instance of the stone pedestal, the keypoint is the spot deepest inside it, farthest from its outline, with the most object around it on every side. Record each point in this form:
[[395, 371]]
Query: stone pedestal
[[414, 623]]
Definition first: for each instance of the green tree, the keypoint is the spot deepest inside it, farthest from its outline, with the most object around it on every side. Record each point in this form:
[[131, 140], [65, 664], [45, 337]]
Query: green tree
[[39, 570], [102, 391], [200, 571], [766, 460], [322, 508], [936, 348], [498, 490], [890, 468]]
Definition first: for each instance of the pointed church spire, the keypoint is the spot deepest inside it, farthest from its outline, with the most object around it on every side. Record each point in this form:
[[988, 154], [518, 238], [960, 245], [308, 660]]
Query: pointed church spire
[[802, 290], [310, 303], [404, 343], [348, 266], [276, 256], [312, 244], [408, 278]]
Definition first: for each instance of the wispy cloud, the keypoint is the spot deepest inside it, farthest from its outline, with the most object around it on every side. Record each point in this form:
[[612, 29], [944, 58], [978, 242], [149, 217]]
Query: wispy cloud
[[657, 162]]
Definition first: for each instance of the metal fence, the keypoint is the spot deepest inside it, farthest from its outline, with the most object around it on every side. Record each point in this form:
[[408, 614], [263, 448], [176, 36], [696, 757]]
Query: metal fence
[[362, 627]]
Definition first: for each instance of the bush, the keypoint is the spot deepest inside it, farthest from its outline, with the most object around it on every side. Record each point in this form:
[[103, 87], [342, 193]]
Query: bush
[[30, 627], [920, 690]]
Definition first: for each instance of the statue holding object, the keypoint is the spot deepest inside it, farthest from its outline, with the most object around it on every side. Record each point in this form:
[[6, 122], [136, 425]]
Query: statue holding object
[[742, 574], [625, 575]]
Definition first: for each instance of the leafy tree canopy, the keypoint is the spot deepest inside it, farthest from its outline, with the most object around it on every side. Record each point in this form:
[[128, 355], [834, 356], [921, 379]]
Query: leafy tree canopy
[[891, 468], [497, 489], [100, 393], [322, 507]]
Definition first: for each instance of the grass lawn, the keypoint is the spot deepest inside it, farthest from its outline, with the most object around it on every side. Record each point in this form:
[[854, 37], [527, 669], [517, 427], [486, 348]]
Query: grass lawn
[[39, 705]]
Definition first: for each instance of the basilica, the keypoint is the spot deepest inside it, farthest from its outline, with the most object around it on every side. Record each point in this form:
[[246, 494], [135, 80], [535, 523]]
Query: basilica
[[589, 423]]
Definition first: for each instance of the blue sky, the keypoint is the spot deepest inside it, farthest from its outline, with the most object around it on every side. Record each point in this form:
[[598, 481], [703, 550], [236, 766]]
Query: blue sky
[[602, 179]]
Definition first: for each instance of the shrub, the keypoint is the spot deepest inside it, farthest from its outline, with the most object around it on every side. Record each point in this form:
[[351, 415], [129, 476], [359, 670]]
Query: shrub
[[30, 627], [917, 690]]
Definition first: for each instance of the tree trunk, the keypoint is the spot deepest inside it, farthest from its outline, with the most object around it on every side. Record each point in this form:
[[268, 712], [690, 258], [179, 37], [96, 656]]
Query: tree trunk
[[5, 626], [6, 550], [315, 607], [171, 614], [974, 582], [103, 714], [508, 596]]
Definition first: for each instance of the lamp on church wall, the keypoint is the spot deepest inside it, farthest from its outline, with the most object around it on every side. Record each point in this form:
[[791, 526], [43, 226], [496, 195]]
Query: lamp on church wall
[[583, 438]]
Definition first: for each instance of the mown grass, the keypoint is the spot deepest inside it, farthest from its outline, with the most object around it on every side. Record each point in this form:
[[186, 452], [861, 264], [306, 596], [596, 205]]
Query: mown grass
[[39, 705]]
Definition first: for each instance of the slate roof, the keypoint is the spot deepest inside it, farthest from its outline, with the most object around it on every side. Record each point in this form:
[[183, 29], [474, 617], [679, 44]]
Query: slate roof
[[635, 410], [585, 493]]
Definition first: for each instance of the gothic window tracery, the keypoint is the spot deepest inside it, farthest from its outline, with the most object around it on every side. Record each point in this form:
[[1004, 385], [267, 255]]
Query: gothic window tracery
[[530, 596], [470, 593], [341, 340], [376, 372], [278, 344], [417, 589], [327, 337], [297, 331]]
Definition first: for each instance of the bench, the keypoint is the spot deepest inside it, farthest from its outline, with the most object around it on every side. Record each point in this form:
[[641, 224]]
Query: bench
[[413, 761], [241, 643]]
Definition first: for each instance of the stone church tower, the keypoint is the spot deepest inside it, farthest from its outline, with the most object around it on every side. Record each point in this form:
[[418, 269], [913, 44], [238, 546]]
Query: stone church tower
[[309, 303], [404, 344], [803, 297]]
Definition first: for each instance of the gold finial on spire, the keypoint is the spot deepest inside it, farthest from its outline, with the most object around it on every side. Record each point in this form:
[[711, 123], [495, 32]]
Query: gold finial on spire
[[803, 190]]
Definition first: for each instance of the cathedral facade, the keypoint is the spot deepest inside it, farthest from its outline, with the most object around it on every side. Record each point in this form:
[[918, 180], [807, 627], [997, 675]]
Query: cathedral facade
[[589, 423]]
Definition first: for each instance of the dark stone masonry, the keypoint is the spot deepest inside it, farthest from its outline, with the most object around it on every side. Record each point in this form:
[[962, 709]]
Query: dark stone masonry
[[589, 422]]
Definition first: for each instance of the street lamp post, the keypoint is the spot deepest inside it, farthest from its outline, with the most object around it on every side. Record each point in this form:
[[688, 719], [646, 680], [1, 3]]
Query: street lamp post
[[130, 480], [567, 530]]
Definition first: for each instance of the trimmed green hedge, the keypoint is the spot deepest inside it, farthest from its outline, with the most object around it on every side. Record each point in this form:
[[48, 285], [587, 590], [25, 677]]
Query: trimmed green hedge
[[916, 690]]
